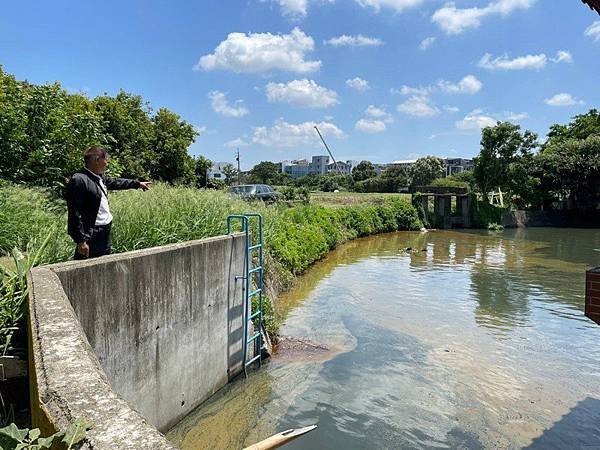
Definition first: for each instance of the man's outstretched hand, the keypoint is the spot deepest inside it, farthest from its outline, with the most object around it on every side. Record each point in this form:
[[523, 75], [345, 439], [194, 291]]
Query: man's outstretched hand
[[145, 185]]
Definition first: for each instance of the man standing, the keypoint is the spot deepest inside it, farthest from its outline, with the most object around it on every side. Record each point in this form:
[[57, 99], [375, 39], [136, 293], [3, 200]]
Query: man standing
[[89, 217]]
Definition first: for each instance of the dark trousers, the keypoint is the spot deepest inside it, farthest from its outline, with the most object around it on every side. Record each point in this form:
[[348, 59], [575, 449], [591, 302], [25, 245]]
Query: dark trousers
[[99, 243]]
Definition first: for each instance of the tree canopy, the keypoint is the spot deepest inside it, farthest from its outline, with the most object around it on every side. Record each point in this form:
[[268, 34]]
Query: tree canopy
[[426, 169], [501, 146], [363, 170], [44, 131]]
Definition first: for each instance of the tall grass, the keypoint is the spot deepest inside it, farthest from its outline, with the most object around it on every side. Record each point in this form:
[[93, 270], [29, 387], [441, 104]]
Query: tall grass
[[295, 236]]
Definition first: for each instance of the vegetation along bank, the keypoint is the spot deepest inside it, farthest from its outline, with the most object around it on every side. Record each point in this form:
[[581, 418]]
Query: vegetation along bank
[[295, 236]]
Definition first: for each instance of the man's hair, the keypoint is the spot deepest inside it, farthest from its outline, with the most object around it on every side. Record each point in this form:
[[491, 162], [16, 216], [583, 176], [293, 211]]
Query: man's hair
[[92, 152]]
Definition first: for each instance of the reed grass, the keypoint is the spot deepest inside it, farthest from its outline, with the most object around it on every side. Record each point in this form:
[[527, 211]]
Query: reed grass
[[32, 221]]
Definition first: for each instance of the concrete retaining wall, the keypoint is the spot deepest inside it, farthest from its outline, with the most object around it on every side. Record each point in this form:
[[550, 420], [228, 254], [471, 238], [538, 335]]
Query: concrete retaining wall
[[575, 219], [157, 331]]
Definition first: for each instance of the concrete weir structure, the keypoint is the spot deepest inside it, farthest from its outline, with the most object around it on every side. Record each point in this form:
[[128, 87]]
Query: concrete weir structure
[[133, 342]]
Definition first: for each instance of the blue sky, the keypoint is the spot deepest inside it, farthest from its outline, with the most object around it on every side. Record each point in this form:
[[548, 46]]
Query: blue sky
[[383, 79]]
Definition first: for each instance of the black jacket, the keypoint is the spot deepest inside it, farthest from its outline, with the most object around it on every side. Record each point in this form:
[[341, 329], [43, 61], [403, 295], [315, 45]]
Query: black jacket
[[83, 201]]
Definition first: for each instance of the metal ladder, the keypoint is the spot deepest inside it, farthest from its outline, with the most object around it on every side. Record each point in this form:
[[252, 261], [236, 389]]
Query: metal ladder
[[249, 272]]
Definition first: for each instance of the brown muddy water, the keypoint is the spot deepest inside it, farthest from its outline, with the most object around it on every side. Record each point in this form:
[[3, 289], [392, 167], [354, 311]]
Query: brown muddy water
[[446, 339]]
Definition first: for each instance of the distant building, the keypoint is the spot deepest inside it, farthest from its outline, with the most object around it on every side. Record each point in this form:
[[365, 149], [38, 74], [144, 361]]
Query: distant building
[[215, 174], [406, 164], [457, 165], [216, 171], [379, 168], [300, 168], [452, 165], [343, 167], [319, 164]]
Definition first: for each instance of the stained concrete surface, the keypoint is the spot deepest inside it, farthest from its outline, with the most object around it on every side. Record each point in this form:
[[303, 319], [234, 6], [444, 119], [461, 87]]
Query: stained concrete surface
[[157, 330]]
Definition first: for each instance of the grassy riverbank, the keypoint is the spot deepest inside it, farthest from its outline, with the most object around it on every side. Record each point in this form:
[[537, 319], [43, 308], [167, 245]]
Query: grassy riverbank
[[295, 236]]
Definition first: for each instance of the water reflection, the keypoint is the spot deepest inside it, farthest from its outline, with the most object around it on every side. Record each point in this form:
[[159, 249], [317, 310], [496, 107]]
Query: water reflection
[[447, 339]]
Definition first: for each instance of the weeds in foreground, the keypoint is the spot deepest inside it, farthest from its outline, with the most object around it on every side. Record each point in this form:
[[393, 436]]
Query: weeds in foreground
[[12, 437], [13, 296]]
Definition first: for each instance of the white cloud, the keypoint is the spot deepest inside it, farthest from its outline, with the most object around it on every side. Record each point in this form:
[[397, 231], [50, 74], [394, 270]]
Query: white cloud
[[397, 5], [293, 8], [516, 117], [370, 126], [354, 41], [221, 106], [306, 93], [419, 106], [283, 134], [359, 84], [426, 43], [407, 90], [451, 109], [262, 52], [376, 120], [200, 130], [534, 62], [562, 56], [378, 113], [593, 31], [455, 20], [468, 85], [238, 142], [475, 120], [527, 62], [563, 99]]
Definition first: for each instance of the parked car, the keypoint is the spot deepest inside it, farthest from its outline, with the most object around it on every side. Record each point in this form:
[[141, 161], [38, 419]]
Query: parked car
[[262, 192]]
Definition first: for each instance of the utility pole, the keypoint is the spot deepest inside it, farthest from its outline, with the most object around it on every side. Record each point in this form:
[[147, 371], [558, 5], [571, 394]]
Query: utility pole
[[329, 151], [237, 158]]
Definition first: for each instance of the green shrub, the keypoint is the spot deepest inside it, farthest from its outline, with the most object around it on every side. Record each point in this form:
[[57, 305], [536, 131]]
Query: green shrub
[[483, 214], [294, 237], [379, 184]]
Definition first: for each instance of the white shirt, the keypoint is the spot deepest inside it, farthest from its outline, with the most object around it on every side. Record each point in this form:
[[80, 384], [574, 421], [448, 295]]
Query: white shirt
[[104, 216]]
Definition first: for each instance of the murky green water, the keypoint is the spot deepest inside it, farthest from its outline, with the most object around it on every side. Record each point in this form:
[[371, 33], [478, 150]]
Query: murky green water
[[465, 340]]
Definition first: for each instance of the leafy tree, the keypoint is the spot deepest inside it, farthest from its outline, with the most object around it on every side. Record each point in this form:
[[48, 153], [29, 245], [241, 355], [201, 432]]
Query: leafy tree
[[568, 161], [265, 172], [170, 142], [571, 168], [501, 146], [230, 173], [377, 184], [394, 171], [363, 170], [425, 170], [201, 167], [129, 132], [310, 181], [44, 130], [582, 126], [462, 179]]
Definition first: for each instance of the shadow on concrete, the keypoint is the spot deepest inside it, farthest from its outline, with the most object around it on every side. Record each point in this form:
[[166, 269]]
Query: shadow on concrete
[[578, 429]]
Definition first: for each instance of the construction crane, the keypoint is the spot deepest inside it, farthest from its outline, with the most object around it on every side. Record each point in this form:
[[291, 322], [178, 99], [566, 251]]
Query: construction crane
[[329, 151]]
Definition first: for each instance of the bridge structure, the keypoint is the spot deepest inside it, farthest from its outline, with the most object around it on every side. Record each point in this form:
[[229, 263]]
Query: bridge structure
[[451, 205]]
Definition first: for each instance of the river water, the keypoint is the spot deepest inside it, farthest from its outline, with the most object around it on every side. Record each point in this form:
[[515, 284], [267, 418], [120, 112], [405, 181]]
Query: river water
[[445, 339]]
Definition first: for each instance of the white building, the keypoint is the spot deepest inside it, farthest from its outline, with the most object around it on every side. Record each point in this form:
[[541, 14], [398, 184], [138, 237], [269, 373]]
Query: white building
[[340, 167], [457, 165], [300, 168]]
